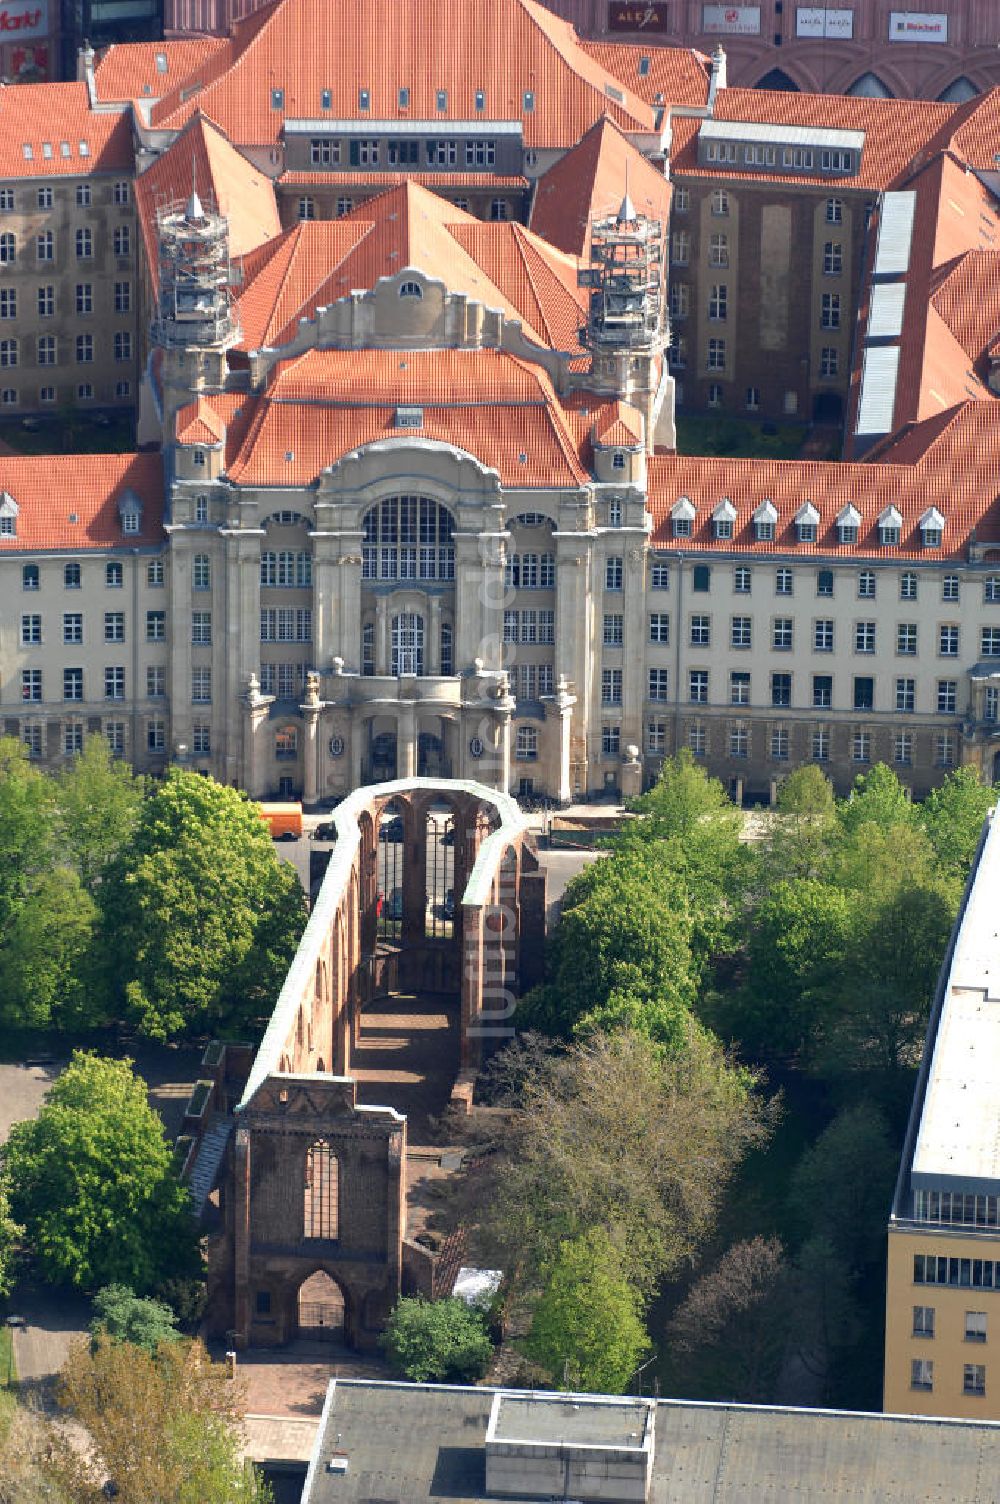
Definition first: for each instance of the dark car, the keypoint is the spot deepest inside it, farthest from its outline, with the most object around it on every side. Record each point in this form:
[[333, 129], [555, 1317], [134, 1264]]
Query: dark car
[[391, 829], [287, 835], [327, 831], [449, 904]]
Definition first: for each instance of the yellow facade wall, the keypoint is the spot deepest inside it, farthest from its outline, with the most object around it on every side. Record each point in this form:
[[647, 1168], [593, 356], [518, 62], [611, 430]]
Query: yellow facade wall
[[949, 1349]]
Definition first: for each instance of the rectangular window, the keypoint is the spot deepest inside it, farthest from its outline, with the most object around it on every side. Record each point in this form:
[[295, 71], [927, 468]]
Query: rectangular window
[[31, 630], [718, 302], [8, 302], [861, 746], [903, 748], [921, 1373], [72, 683], [830, 310], [716, 355], [822, 691], [739, 687], [701, 631], [947, 696], [114, 626], [949, 587], [823, 634], [864, 637], [31, 684], [31, 736], [680, 300], [741, 632], [948, 641], [906, 693], [156, 682], [156, 626], [614, 573], [680, 248], [658, 684], [908, 586], [611, 686], [906, 639], [975, 1326], [611, 741], [974, 1378], [739, 740], [156, 736], [990, 642], [781, 690], [154, 573], [659, 577], [864, 693], [72, 626], [201, 628], [821, 744], [781, 633], [324, 153], [698, 686], [698, 739], [833, 258], [741, 581], [122, 240], [201, 738], [613, 630], [114, 683], [866, 584], [780, 743], [84, 349], [72, 739], [201, 686], [829, 361], [123, 345], [659, 627], [783, 582], [824, 582], [656, 738], [84, 297], [923, 1321], [718, 250], [991, 589], [944, 751]]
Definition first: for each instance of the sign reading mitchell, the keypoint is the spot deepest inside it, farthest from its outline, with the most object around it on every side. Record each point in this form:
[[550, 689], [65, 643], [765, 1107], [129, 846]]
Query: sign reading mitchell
[[918, 26]]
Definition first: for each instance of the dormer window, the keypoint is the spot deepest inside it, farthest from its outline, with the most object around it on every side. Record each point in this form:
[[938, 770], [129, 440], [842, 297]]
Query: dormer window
[[364, 99], [409, 417], [529, 101], [723, 519], [848, 525], [480, 100], [277, 99], [807, 523], [442, 99], [618, 460], [8, 515], [682, 515], [765, 521], [931, 528], [130, 522], [200, 457], [130, 512], [404, 99], [411, 290], [890, 528]]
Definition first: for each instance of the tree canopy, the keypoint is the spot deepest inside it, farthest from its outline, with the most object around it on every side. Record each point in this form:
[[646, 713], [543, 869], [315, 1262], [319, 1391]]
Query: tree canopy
[[200, 918], [438, 1341], [90, 1179], [587, 1331], [126, 1317]]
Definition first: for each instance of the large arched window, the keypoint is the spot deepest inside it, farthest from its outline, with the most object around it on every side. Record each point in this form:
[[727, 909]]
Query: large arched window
[[286, 569], [408, 538], [321, 1198], [407, 643]]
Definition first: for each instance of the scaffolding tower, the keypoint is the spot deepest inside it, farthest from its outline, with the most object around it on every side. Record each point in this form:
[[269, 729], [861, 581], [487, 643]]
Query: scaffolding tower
[[625, 279], [194, 307]]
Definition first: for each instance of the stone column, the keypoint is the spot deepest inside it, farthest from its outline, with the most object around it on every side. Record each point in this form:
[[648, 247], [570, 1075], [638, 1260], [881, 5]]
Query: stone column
[[559, 709], [432, 647], [311, 708], [255, 707], [406, 742], [381, 635]]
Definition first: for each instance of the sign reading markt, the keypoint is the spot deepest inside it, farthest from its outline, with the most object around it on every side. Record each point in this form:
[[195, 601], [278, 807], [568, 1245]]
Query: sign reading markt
[[636, 15]]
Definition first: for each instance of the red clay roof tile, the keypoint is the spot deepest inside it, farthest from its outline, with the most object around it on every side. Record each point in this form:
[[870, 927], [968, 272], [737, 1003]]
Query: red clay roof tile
[[589, 182], [71, 501], [65, 137]]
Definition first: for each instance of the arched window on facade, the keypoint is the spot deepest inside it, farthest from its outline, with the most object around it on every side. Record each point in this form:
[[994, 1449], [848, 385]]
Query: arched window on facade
[[407, 643], [321, 1192], [408, 538], [411, 290]]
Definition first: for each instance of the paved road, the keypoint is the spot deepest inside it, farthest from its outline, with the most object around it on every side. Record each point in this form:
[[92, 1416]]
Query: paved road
[[22, 1089]]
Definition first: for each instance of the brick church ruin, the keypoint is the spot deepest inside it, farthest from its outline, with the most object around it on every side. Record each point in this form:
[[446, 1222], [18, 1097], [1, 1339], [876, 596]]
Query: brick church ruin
[[429, 921]]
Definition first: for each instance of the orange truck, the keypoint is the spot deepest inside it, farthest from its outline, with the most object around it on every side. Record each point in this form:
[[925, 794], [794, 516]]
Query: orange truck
[[283, 820]]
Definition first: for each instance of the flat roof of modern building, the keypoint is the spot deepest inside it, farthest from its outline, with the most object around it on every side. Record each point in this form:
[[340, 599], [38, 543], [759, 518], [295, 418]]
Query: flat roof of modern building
[[422, 1443], [576, 1419], [958, 1140]]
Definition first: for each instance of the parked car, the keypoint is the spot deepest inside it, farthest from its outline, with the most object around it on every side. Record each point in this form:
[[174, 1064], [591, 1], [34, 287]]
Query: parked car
[[326, 831], [391, 829]]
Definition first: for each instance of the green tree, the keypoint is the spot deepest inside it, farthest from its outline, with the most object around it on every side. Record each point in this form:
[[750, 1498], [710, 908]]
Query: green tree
[[683, 799], [877, 798], [200, 918], [126, 1317], [841, 1187], [952, 817], [587, 1331], [612, 1132], [803, 826], [99, 799], [164, 1427], [620, 954], [10, 1235], [438, 1341], [795, 957], [729, 1336], [90, 1178]]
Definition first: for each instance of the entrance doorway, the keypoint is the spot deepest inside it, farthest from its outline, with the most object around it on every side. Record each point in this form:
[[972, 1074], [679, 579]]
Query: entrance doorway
[[321, 1309], [430, 756]]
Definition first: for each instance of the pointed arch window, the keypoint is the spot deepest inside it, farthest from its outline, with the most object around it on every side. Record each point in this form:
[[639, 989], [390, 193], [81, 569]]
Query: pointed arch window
[[321, 1192]]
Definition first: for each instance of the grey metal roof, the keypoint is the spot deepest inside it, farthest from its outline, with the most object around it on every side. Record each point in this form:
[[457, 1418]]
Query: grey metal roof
[[441, 125], [419, 1444], [878, 389], [885, 318], [895, 232], [958, 1143], [780, 135]]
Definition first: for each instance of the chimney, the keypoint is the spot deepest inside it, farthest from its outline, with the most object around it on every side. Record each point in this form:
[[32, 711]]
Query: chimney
[[717, 80]]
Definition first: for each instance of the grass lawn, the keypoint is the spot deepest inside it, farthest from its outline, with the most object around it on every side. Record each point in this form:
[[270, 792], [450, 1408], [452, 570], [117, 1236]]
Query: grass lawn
[[742, 438], [8, 1372]]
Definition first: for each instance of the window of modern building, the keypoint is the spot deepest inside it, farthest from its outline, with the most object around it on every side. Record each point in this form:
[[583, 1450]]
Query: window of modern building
[[921, 1373], [974, 1378]]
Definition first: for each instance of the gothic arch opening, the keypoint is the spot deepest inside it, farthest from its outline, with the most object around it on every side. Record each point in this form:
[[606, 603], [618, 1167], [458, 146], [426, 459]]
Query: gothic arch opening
[[870, 86], [958, 91], [779, 80], [321, 1308], [321, 1193], [439, 874]]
